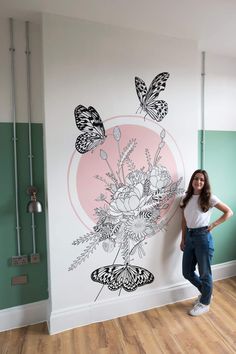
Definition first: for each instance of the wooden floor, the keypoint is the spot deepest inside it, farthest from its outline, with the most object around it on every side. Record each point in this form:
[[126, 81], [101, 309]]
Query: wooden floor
[[167, 329]]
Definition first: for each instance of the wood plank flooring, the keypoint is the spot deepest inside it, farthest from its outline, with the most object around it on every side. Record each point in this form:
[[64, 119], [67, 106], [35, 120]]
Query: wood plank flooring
[[167, 329]]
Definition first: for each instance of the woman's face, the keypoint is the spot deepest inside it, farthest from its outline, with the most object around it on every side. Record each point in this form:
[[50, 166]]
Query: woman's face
[[198, 183]]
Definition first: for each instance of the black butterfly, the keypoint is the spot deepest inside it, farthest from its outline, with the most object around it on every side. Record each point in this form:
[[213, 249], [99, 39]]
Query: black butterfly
[[156, 109], [116, 276], [90, 123]]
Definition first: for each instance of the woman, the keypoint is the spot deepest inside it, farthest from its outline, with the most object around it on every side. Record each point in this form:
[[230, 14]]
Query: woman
[[197, 243]]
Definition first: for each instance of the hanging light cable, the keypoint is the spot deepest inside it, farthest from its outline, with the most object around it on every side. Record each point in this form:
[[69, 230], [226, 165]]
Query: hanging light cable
[[33, 206], [19, 259]]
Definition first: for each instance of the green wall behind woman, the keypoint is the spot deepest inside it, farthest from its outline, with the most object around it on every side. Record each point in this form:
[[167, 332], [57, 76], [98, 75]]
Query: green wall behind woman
[[36, 288], [220, 163]]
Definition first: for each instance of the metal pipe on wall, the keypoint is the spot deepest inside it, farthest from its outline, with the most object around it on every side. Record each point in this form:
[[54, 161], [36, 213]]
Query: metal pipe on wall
[[27, 52], [203, 133], [34, 256], [19, 259], [13, 114]]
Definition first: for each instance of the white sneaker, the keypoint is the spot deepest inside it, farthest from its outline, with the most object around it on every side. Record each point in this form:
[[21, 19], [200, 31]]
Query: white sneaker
[[197, 300], [199, 309]]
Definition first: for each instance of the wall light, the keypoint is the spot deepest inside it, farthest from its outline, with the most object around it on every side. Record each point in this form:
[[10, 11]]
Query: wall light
[[34, 206]]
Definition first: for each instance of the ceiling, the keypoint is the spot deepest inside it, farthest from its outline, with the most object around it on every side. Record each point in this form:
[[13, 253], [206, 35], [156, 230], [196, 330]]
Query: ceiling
[[211, 22]]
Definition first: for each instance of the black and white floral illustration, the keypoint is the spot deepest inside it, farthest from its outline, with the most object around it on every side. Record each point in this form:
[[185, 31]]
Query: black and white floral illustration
[[130, 211]]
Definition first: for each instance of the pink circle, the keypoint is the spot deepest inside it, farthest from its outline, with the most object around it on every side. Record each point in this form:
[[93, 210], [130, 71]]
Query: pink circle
[[91, 164]]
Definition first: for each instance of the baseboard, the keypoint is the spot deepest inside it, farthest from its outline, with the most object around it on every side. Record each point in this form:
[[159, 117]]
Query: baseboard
[[121, 306], [21, 316], [77, 316], [224, 270]]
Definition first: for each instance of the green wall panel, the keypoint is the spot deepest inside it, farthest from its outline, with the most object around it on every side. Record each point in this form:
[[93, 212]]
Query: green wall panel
[[220, 158], [36, 288]]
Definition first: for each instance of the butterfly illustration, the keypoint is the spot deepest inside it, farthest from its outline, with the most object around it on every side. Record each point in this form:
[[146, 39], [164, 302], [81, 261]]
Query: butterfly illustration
[[116, 276], [156, 109], [90, 124]]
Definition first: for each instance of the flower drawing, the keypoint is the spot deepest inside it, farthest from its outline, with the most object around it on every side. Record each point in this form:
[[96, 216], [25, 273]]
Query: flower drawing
[[159, 178], [129, 212], [128, 200]]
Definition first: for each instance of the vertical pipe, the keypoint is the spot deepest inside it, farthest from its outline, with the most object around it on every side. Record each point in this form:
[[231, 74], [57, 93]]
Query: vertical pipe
[[27, 52], [13, 114], [203, 138]]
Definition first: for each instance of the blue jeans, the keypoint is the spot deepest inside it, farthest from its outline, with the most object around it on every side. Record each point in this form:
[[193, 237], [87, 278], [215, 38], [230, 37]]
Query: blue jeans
[[199, 251]]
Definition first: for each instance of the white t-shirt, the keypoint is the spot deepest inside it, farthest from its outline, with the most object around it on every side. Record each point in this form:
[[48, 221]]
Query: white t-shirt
[[193, 214]]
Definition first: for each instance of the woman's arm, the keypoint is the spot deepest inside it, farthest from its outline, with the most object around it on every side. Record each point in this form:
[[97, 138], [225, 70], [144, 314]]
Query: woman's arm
[[184, 226], [227, 213]]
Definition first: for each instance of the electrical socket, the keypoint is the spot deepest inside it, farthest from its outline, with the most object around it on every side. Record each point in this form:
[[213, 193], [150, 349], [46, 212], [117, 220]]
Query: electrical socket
[[19, 260], [19, 279], [35, 258]]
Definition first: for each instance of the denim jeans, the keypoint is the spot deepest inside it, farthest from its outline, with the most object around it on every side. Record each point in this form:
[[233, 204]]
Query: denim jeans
[[199, 251]]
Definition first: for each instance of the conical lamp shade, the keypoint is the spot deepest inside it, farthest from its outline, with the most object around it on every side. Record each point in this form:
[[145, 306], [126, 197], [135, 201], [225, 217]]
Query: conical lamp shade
[[34, 206]]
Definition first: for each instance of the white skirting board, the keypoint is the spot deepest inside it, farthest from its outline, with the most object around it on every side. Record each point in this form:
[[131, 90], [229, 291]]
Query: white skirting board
[[77, 316], [21, 316]]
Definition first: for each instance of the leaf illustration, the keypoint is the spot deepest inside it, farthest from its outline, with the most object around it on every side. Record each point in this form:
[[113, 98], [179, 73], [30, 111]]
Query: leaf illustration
[[117, 133], [87, 237], [101, 179], [148, 157], [163, 134], [130, 164], [146, 187], [126, 152], [103, 154], [150, 205], [125, 249], [85, 254]]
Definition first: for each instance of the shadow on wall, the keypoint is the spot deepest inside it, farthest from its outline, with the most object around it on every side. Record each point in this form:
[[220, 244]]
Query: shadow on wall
[[171, 254]]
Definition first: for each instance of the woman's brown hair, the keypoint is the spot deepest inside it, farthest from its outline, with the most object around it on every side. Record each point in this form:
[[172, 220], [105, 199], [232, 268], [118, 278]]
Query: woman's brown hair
[[204, 197]]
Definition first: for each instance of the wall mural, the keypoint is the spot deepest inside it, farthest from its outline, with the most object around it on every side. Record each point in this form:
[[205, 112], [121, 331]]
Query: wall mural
[[126, 204], [89, 122], [156, 109]]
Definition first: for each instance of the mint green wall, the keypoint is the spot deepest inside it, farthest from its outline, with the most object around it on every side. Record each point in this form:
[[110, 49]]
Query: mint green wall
[[220, 163], [36, 288]]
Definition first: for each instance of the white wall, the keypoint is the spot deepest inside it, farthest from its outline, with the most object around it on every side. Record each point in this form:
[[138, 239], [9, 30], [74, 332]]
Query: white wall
[[90, 64], [220, 92], [95, 65], [20, 72]]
